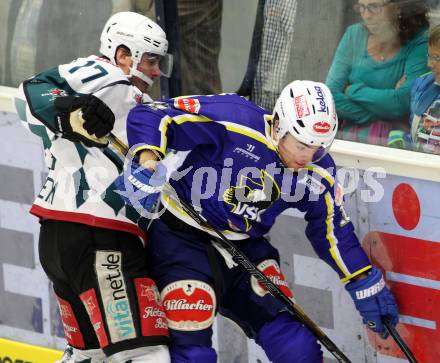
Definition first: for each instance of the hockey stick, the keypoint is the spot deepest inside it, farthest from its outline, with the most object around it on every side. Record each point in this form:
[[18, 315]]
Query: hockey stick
[[242, 260], [399, 340]]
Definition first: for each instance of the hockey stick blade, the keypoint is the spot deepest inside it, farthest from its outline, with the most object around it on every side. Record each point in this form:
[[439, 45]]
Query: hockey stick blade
[[242, 260], [399, 340]]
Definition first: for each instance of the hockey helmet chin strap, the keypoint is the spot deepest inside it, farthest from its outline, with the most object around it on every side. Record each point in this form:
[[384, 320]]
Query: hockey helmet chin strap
[[139, 74]]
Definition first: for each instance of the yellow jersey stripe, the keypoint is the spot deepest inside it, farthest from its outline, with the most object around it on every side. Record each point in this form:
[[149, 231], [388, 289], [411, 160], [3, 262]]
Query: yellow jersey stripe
[[166, 120], [334, 251], [163, 126], [322, 172], [147, 147], [243, 130], [230, 126], [180, 119], [358, 272]]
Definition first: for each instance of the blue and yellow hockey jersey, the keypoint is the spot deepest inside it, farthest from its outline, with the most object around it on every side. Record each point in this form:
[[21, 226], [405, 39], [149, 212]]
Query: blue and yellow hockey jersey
[[234, 177]]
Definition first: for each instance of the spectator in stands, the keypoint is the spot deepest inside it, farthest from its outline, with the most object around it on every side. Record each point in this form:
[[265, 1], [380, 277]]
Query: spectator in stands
[[425, 101], [269, 56], [200, 30], [375, 65]]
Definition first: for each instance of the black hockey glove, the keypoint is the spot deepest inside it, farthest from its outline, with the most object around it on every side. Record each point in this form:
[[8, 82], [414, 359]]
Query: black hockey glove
[[98, 118], [84, 118]]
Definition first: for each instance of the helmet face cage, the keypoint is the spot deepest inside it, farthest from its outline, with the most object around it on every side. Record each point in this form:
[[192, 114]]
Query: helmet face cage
[[140, 35], [306, 110]]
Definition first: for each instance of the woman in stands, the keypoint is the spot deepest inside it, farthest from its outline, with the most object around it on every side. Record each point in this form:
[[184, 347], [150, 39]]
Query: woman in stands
[[374, 67]]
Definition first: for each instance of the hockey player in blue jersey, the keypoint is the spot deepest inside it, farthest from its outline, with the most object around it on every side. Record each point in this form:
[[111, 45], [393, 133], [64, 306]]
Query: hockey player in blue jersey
[[243, 168]]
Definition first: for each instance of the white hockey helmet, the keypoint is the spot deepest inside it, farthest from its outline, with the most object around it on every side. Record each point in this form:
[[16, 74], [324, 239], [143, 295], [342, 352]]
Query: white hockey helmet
[[140, 35], [306, 110]]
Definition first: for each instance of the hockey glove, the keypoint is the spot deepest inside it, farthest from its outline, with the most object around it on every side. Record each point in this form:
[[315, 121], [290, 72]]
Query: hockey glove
[[99, 119], [84, 118], [374, 301], [140, 187]]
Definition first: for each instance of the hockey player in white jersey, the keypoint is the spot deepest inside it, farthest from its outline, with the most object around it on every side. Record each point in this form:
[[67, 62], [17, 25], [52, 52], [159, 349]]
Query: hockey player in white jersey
[[91, 245]]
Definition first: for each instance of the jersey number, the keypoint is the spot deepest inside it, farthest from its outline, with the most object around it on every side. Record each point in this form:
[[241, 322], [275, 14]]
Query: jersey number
[[101, 71]]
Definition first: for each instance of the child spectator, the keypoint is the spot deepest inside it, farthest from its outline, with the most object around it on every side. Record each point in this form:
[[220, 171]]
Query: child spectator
[[425, 101]]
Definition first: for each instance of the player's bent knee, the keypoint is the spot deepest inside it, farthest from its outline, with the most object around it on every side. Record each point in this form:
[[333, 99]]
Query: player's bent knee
[[192, 354], [286, 340]]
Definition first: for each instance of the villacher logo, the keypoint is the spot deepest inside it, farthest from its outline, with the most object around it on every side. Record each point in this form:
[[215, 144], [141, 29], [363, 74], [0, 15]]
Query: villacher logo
[[183, 304], [189, 304]]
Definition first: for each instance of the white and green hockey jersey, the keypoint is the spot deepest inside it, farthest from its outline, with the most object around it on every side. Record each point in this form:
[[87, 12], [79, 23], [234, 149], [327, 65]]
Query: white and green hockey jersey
[[79, 186]]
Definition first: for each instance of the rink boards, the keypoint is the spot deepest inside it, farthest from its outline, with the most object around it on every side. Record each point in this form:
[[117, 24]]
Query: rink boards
[[15, 352], [400, 232]]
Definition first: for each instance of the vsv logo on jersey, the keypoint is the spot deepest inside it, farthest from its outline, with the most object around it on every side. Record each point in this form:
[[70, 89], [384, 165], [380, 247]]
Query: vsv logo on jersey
[[108, 266], [248, 212], [190, 305], [252, 197]]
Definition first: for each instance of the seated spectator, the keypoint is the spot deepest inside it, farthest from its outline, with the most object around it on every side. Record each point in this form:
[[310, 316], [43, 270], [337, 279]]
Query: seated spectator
[[374, 66], [425, 101], [200, 24]]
